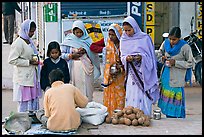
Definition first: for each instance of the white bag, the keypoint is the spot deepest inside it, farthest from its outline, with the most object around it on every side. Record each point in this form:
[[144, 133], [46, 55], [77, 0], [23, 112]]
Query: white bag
[[94, 113]]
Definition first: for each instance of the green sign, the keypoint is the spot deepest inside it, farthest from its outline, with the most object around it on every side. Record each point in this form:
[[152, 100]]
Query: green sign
[[50, 12]]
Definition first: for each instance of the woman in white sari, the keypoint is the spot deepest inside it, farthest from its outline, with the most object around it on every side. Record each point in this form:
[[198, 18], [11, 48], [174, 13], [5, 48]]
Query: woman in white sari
[[84, 65]]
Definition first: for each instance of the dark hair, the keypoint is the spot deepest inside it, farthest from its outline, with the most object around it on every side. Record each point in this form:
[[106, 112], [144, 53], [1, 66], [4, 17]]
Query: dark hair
[[175, 31], [126, 23], [75, 28], [32, 25], [53, 45], [56, 75]]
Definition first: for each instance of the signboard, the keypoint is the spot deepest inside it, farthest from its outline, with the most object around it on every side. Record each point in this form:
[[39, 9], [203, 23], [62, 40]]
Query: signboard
[[150, 19], [199, 20], [50, 12], [83, 9], [135, 10]]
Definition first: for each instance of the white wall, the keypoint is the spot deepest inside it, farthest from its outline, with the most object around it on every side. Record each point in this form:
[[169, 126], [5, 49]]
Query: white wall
[[187, 10], [51, 33]]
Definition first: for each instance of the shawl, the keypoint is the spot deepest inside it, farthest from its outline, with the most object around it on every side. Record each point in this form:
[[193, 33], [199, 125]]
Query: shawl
[[140, 43], [84, 41], [172, 51]]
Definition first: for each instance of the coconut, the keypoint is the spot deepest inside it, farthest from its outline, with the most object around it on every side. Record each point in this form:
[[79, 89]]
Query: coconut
[[140, 121], [108, 119], [130, 107], [128, 111], [131, 116], [135, 122], [121, 120], [119, 113], [136, 110], [127, 121], [115, 121], [146, 122]]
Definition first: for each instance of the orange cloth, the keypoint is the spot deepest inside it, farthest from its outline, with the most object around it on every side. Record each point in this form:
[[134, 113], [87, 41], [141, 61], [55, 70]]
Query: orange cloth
[[114, 94], [59, 104]]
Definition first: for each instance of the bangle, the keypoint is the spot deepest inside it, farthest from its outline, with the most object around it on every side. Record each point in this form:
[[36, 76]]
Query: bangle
[[121, 69]]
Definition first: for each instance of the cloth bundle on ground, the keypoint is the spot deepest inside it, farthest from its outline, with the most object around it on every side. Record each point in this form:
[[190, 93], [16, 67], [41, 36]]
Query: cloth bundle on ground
[[18, 122], [94, 113]]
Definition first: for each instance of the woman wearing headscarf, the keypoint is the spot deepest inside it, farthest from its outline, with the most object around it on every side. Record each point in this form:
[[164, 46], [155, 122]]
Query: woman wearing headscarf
[[177, 59], [26, 82], [138, 58], [84, 65], [114, 91]]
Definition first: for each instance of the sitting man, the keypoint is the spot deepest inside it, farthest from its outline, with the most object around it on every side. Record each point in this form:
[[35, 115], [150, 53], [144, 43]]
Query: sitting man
[[60, 102]]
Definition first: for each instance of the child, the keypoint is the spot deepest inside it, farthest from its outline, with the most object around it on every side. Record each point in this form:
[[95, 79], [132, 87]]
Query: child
[[53, 61]]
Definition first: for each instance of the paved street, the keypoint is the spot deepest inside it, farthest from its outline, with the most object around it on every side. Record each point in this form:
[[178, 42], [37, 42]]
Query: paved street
[[192, 125]]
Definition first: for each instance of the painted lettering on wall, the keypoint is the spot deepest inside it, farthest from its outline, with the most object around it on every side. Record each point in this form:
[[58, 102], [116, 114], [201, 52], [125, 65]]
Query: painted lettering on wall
[[150, 19], [199, 20]]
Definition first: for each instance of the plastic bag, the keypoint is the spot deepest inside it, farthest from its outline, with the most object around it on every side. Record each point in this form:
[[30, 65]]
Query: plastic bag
[[94, 113]]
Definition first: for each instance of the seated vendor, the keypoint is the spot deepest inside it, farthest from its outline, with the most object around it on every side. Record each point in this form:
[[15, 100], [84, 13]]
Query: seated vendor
[[60, 102]]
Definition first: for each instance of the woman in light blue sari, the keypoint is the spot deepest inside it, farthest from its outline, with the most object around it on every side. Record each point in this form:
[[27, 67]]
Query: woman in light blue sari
[[84, 65], [177, 60]]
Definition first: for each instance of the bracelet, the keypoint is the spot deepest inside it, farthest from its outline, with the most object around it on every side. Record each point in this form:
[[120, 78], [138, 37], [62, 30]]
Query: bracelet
[[121, 69]]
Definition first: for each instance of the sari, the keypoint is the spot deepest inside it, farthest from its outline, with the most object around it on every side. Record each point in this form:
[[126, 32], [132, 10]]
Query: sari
[[84, 71], [172, 99], [137, 95], [114, 94]]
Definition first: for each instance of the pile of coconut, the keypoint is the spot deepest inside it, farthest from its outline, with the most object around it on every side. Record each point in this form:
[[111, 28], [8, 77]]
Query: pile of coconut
[[129, 116]]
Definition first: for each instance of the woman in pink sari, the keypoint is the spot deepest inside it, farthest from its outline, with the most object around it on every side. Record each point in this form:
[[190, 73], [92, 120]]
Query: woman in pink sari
[[138, 58]]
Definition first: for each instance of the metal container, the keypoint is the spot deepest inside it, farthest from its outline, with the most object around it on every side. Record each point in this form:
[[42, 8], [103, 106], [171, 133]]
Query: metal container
[[35, 57], [113, 69], [157, 114]]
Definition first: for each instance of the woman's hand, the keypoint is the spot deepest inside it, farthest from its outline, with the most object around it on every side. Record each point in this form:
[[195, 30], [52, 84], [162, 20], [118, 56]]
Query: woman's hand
[[138, 58], [75, 56], [33, 62], [129, 58], [172, 62], [163, 59], [81, 50]]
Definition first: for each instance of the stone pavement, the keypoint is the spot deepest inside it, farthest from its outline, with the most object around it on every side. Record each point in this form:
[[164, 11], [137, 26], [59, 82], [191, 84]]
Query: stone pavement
[[191, 125]]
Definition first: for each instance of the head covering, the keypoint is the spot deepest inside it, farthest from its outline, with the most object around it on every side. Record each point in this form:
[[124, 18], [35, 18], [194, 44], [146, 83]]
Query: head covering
[[117, 29], [84, 41], [115, 51], [140, 43], [24, 31]]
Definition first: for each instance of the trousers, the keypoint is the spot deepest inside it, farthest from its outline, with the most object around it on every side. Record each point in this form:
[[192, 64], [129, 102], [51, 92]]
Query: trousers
[[9, 27]]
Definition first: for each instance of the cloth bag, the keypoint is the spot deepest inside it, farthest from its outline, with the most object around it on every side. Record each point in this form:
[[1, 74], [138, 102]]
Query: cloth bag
[[94, 113], [18, 122]]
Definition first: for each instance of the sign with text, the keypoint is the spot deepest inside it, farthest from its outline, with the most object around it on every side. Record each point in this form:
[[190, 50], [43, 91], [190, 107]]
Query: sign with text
[[199, 20], [50, 12], [135, 10], [84, 9], [150, 19]]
